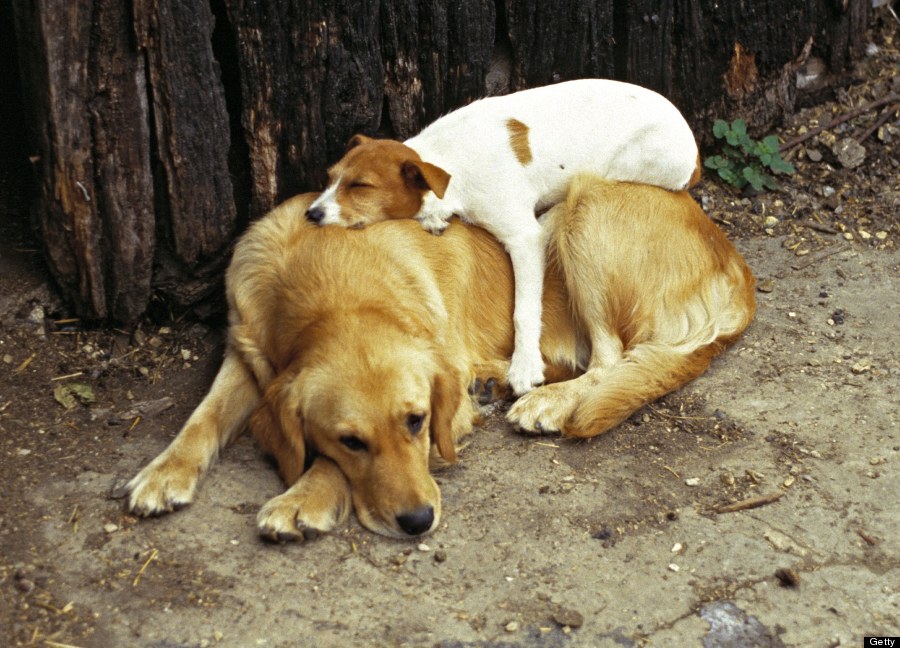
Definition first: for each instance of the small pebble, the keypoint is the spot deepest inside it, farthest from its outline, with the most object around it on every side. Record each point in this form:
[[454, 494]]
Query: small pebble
[[673, 567], [692, 481], [109, 527], [568, 617], [787, 577], [861, 367], [440, 556], [423, 547], [512, 626], [677, 547]]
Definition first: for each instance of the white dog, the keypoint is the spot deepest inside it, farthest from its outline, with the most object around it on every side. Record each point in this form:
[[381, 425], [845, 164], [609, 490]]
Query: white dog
[[496, 161]]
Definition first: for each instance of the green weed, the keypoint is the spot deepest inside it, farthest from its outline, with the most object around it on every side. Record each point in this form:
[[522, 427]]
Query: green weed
[[745, 160]]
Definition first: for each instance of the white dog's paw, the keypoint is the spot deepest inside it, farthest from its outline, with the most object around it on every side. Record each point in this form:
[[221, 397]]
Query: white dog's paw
[[525, 372], [543, 411], [432, 223], [166, 484], [293, 517]]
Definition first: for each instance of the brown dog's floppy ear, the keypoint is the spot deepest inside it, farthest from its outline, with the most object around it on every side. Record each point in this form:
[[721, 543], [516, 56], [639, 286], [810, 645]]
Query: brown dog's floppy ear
[[356, 140], [446, 396], [277, 427], [424, 176]]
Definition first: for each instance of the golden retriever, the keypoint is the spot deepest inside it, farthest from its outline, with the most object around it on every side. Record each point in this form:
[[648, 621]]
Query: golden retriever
[[351, 352]]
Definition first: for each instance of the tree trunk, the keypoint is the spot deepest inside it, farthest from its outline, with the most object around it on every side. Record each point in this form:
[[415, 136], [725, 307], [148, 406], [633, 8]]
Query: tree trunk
[[159, 127]]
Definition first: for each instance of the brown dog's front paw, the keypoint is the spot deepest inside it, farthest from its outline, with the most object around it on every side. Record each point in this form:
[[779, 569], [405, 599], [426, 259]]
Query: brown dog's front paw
[[163, 486], [294, 517]]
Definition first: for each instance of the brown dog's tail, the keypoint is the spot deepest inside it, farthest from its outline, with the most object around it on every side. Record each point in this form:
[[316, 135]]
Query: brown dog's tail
[[645, 373]]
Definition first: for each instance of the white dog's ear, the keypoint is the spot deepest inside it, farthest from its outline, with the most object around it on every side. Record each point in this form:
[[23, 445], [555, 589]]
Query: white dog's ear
[[277, 425], [424, 177], [356, 140]]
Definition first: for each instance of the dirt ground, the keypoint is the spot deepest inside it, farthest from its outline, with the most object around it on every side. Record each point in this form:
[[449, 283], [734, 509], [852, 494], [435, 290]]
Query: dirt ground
[[623, 540]]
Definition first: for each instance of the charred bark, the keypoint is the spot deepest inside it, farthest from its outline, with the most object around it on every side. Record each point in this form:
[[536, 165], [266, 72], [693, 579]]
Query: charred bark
[[159, 127]]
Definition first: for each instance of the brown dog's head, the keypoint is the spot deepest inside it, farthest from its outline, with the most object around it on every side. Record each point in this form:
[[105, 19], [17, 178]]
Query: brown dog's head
[[376, 180], [374, 404]]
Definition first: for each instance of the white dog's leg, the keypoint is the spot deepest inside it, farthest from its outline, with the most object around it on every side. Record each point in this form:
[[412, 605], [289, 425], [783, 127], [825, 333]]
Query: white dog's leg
[[526, 251]]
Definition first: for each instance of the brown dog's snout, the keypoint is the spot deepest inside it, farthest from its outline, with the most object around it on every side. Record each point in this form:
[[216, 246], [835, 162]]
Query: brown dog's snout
[[416, 522], [315, 214]]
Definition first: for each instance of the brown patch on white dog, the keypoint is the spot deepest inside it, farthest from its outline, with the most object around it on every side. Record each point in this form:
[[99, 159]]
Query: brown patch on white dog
[[518, 141]]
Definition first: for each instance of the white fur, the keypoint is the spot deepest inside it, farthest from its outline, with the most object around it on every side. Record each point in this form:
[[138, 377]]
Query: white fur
[[616, 130]]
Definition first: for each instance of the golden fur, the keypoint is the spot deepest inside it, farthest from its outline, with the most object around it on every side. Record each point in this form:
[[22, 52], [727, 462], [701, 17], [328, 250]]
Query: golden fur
[[351, 352]]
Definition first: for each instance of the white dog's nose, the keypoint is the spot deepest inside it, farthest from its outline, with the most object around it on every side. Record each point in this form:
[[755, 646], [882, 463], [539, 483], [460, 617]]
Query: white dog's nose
[[315, 214]]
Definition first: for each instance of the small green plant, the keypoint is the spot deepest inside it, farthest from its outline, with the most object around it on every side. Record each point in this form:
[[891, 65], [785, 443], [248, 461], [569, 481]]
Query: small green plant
[[745, 160]]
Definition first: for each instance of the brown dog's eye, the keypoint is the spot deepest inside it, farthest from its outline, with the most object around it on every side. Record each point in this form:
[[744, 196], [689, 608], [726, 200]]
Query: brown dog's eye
[[354, 443], [360, 185], [414, 423]]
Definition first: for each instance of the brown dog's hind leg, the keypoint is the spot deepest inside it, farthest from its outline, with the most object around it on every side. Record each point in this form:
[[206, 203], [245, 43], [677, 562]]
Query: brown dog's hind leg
[[490, 382], [317, 503]]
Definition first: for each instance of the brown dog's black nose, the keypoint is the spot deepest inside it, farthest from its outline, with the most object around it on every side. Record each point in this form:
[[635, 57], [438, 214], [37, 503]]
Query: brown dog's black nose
[[315, 214], [416, 522]]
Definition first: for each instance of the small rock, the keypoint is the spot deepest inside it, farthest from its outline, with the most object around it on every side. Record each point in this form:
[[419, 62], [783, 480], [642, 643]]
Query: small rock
[[692, 481], [7, 358], [861, 367], [828, 191], [512, 626], [787, 483], [423, 548], [881, 235], [677, 547], [766, 285], [673, 567], [727, 479], [440, 556], [185, 354], [567, 617], [787, 577], [36, 316], [814, 155], [771, 221], [24, 585], [109, 527], [849, 152]]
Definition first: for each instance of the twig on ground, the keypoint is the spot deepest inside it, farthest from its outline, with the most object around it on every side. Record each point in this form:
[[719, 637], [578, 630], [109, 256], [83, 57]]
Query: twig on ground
[[751, 503], [819, 227], [856, 112], [881, 121], [815, 258]]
